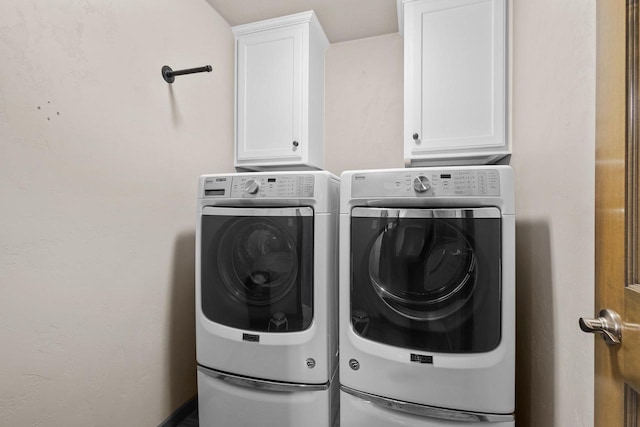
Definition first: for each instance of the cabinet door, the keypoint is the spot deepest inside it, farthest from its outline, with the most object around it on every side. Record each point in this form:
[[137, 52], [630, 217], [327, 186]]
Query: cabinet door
[[456, 88], [269, 95]]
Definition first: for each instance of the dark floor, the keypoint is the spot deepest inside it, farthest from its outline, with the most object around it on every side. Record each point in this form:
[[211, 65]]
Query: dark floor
[[191, 420], [185, 416]]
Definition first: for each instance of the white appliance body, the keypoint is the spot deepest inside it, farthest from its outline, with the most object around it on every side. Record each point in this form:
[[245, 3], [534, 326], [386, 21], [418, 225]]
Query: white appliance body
[[227, 401], [427, 295], [266, 297], [359, 412]]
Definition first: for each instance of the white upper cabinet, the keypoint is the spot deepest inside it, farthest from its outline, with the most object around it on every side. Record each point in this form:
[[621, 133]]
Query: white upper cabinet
[[280, 93], [455, 85]]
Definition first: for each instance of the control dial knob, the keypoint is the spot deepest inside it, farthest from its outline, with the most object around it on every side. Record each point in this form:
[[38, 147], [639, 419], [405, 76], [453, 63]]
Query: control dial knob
[[252, 186], [421, 184]]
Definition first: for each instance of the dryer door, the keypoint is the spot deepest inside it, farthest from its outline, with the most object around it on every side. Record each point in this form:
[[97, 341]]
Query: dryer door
[[257, 268], [427, 279]]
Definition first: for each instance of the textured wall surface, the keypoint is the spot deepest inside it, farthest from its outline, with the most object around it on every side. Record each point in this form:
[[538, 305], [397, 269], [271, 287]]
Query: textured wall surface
[[99, 159], [363, 104]]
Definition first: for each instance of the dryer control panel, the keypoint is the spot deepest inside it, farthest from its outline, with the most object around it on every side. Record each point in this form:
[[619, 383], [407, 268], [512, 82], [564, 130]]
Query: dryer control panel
[[259, 186], [422, 183]]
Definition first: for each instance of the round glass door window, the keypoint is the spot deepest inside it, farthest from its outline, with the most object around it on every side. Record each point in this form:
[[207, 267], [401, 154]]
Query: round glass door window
[[422, 270], [258, 261]]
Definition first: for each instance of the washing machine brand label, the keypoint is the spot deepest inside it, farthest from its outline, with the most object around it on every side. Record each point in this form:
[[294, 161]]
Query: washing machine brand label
[[250, 337], [421, 358]]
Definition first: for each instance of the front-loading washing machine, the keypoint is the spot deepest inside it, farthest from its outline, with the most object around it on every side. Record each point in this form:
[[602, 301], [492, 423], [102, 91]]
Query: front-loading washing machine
[[266, 299], [427, 297]]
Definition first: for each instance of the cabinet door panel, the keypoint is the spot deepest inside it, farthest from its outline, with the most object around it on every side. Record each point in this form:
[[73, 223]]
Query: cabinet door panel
[[270, 95], [458, 93]]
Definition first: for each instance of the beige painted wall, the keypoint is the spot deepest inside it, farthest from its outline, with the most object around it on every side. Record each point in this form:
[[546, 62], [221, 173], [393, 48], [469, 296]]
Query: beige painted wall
[[99, 160], [363, 104], [553, 158]]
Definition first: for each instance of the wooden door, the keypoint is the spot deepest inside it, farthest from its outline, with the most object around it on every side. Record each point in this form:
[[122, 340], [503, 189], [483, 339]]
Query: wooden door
[[617, 367]]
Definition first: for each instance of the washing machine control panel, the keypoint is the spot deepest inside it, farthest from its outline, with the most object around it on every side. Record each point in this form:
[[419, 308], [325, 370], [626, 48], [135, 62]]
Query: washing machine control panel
[[425, 183], [259, 186]]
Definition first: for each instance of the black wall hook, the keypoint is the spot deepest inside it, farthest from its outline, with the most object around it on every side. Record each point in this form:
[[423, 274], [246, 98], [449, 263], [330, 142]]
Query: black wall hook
[[169, 75]]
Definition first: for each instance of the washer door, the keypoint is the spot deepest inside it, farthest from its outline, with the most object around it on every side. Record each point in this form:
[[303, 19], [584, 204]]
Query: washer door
[[257, 260], [427, 279], [256, 268]]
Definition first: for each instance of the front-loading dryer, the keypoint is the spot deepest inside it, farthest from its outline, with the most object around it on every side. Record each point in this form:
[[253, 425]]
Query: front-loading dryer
[[427, 296], [266, 299]]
